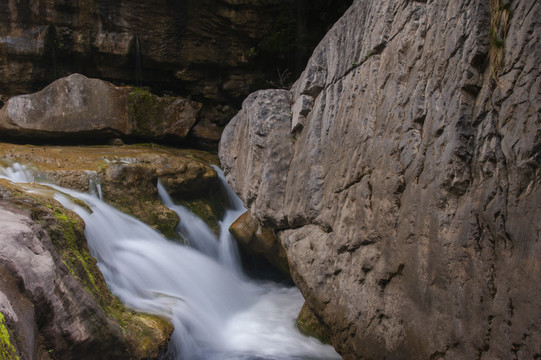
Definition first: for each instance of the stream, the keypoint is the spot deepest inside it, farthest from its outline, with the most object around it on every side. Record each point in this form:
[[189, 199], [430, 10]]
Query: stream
[[218, 312]]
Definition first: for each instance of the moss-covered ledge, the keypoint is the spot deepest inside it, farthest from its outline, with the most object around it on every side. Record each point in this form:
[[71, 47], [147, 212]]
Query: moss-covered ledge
[[143, 336], [127, 176]]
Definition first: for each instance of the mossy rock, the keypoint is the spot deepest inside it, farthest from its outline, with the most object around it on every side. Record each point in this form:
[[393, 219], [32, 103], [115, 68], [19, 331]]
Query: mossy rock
[[128, 176], [155, 117], [146, 336], [210, 208], [7, 350], [309, 325]]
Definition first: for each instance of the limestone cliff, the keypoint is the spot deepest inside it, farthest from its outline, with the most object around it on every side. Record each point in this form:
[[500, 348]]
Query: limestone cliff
[[402, 174]]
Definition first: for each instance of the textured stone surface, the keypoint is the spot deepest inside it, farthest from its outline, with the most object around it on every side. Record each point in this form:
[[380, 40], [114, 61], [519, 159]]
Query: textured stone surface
[[409, 199], [55, 303], [259, 240], [309, 325], [95, 110], [257, 148]]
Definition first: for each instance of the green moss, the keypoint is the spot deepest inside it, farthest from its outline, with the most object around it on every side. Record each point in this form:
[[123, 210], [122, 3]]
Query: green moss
[[146, 111], [149, 210], [7, 350], [143, 331], [144, 334], [67, 234], [309, 325], [209, 208]]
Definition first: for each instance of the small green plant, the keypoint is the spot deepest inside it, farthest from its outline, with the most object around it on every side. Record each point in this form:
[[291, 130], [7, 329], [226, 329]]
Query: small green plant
[[355, 64], [368, 55], [252, 52]]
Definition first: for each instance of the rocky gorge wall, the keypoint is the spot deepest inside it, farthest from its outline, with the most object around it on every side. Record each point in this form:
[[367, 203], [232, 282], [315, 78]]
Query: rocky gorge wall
[[401, 173], [214, 51]]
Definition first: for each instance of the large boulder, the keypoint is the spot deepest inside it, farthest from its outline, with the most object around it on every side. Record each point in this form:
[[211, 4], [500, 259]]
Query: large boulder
[[258, 240], [401, 173], [95, 110]]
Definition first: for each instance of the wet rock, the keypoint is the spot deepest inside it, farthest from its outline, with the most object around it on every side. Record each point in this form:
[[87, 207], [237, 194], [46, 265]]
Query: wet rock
[[126, 176], [408, 199], [259, 240], [77, 108], [309, 325]]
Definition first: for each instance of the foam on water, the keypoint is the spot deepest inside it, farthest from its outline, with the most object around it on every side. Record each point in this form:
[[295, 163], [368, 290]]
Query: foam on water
[[217, 312]]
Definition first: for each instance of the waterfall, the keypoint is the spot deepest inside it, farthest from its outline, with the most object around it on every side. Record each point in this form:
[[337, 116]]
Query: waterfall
[[218, 313], [94, 187], [197, 234], [54, 62], [17, 173], [229, 254], [137, 62]]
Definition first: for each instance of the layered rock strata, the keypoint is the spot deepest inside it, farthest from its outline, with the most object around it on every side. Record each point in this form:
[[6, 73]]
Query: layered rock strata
[[78, 109], [213, 50], [401, 173]]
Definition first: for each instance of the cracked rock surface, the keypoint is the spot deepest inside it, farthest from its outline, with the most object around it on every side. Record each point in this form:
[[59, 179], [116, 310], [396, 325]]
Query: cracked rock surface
[[402, 174]]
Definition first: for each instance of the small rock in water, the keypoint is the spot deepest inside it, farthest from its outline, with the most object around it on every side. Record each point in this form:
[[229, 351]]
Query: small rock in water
[[116, 142]]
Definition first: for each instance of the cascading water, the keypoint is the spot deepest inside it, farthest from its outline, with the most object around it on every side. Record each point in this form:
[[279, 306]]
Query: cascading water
[[229, 254], [218, 313], [197, 234], [137, 62]]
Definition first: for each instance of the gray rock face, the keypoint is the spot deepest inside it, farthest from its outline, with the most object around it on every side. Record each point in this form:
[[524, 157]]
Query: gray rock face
[[96, 110], [36, 288], [402, 174]]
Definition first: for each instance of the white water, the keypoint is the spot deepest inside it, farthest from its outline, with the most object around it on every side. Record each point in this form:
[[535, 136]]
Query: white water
[[218, 314], [198, 235], [16, 173]]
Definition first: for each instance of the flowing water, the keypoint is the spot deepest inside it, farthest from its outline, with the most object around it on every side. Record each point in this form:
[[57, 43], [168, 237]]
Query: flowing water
[[218, 313], [137, 62]]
